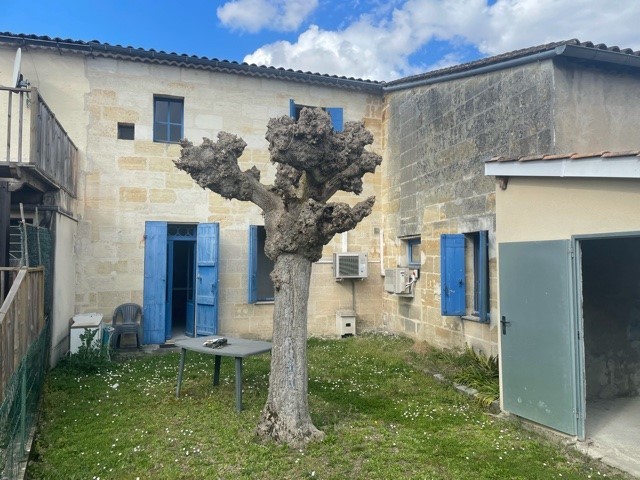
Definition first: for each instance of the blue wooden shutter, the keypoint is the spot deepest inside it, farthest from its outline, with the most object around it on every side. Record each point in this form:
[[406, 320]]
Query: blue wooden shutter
[[452, 274], [253, 264], [155, 282], [336, 118], [483, 276], [207, 279], [292, 108]]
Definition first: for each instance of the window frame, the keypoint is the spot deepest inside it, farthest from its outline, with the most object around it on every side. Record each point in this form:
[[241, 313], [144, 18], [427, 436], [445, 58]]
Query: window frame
[[258, 265], [336, 113], [453, 273], [411, 242], [124, 128], [170, 122]]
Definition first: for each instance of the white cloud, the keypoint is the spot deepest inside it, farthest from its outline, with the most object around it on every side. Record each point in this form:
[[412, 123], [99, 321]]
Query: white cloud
[[379, 46], [256, 15], [513, 24]]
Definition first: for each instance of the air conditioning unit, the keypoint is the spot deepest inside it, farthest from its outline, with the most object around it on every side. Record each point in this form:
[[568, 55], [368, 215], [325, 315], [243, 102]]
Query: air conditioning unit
[[350, 265], [398, 281]]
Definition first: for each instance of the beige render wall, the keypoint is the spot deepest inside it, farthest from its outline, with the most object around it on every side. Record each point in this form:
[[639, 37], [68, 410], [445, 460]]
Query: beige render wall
[[558, 208], [126, 183], [61, 82]]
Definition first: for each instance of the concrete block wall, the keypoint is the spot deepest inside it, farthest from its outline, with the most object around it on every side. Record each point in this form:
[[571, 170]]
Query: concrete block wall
[[125, 183], [433, 182]]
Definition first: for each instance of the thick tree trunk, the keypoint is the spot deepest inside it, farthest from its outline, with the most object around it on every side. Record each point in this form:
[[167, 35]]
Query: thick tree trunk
[[285, 417]]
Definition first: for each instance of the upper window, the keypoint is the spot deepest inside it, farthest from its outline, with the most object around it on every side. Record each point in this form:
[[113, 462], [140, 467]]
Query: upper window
[[168, 115], [260, 267], [334, 112], [464, 270]]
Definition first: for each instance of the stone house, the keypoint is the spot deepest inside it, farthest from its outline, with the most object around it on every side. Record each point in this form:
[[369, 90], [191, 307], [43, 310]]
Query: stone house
[[134, 226]]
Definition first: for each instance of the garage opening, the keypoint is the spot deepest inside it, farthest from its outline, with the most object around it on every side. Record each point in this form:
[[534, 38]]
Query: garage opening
[[611, 315]]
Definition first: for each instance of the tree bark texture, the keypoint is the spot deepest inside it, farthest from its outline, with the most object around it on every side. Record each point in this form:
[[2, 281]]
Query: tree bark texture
[[285, 417]]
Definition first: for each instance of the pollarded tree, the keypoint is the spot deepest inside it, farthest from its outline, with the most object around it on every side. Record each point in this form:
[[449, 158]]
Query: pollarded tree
[[313, 163]]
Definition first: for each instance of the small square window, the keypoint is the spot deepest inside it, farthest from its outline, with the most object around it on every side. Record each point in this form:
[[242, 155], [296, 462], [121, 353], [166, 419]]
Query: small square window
[[126, 131], [168, 119]]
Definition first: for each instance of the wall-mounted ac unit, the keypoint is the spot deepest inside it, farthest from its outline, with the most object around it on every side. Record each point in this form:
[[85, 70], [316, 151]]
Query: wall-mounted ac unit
[[350, 265], [398, 281]]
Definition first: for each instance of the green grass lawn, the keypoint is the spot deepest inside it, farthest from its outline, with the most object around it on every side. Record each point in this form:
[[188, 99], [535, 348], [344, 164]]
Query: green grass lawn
[[383, 419]]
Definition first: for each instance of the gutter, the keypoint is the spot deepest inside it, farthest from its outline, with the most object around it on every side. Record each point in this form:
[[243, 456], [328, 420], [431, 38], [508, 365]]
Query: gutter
[[571, 51], [153, 56], [514, 62], [599, 55]]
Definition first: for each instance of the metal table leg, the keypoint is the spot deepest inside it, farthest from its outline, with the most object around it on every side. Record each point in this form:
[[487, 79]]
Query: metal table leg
[[216, 371], [239, 384], [183, 353]]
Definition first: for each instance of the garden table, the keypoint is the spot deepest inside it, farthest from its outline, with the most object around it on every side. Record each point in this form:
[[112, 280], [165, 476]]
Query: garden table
[[235, 347]]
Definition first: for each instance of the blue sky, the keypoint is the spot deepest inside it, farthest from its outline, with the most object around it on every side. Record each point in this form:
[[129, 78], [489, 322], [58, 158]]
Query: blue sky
[[376, 39]]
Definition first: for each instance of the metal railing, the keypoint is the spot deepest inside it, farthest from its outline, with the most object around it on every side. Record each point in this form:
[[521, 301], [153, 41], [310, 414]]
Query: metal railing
[[35, 137]]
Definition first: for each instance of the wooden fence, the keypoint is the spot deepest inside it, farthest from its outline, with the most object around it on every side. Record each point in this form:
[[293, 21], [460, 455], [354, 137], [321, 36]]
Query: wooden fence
[[21, 317]]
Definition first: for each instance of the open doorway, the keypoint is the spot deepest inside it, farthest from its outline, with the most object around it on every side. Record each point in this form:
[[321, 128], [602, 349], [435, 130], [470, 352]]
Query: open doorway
[[181, 267], [611, 317], [180, 287]]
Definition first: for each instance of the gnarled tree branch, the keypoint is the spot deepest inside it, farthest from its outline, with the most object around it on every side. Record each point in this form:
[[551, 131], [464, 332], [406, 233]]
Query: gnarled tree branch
[[214, 165]]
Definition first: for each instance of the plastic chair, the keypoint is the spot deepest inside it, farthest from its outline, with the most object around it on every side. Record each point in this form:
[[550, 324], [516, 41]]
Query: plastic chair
[[127, 318]]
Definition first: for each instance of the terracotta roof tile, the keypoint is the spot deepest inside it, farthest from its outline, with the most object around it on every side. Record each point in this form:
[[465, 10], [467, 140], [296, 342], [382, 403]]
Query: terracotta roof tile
[[628, 153], [567, 156], [100, 49]]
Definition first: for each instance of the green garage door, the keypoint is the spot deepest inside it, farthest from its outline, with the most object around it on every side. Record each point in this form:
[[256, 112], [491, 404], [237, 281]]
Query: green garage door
[[538, 333]]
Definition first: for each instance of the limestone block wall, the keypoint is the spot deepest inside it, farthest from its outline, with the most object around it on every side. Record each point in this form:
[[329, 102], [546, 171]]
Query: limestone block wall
[[125, 183], [438, 137]]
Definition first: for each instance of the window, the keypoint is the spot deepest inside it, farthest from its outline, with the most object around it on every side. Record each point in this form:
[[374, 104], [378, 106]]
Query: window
[[126, 131], [260, 267], [464, 260], [167, 119], [413, 252], [334, 112]]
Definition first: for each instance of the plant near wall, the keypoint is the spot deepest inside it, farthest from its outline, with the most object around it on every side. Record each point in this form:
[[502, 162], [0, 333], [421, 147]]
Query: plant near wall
[[91, 357], [481, 372], [313, 163]]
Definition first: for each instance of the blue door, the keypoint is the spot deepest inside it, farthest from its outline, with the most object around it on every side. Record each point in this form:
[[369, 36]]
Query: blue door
[[207, 279], [155, 282]]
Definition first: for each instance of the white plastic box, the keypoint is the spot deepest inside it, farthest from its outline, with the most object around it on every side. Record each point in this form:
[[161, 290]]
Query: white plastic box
[[92, 321], [346, 323]]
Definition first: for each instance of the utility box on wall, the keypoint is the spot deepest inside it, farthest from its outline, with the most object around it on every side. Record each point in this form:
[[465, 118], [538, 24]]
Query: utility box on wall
[[346, 323]]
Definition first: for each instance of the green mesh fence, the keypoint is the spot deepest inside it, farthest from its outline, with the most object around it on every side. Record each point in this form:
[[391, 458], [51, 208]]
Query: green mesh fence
[[39, 250], [19, 409]]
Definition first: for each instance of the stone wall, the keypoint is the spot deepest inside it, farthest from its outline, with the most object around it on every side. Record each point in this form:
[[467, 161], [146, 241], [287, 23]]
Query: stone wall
[[125, 183], [438, 138]]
